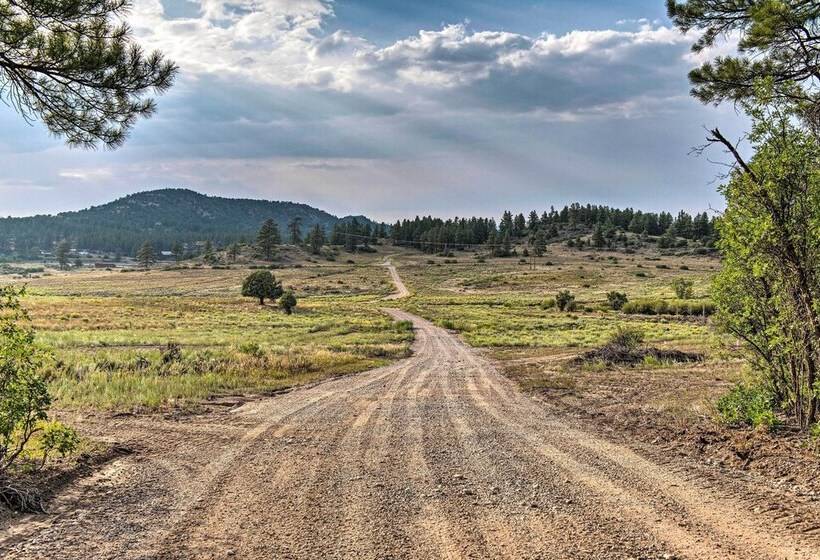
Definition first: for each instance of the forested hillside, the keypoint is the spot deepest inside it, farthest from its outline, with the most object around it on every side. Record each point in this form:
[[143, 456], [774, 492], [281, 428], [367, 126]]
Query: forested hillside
[[164, 217]]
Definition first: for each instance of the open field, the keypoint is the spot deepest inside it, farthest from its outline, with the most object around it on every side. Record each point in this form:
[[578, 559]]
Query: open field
[[435, 456], [110, 333]]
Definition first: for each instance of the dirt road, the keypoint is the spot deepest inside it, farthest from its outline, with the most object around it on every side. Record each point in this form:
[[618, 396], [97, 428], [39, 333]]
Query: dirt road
[[401, 289], [438, 456]]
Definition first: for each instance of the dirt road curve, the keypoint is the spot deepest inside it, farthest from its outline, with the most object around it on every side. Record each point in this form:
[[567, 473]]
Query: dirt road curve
[[437, 456]]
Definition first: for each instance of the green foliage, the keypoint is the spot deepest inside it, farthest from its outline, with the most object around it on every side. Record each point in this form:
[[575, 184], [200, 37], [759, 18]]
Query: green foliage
[[616, 299], [24, 399], [627, 337], [57, 437], [288, 302], [749, 405], [62, 253], [74, 66], [779, 40], [683, 288], [268, 239], [146, 255], [262, 285], [768, 289], [565, 301], [646, 306]]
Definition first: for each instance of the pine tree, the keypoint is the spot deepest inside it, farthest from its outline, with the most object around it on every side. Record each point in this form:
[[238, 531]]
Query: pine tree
[[598, 237], [295, 229], [539, 245], [73, 65], [146, 256], [268, 239], [208, 252], [62, 254], [316, 239], [233, 251], [178, 251]]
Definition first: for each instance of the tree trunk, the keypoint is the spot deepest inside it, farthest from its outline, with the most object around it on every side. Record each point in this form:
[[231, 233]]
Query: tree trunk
[[261, 301]]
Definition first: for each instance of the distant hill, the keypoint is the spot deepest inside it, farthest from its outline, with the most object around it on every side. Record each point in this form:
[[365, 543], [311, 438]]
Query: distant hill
[[164, 217]]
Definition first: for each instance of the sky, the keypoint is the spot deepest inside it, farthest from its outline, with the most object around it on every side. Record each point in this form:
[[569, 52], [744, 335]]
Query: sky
[[392, 108]]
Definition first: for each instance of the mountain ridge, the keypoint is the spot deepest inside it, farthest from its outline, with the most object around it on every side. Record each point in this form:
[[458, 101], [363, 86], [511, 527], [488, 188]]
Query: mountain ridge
[[163, 216]]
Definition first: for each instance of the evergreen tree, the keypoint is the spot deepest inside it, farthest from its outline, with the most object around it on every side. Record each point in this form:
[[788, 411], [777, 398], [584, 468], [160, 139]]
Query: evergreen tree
[[73, 65], [268, 239], [262, 285], [539, 245], [288, 302], [233, 251], [519, 226], [598, 237], [62, 253], [208, 252], [316, 239], [146, 256], [295, 229], [178, 252], [778, 40], [506, 225], [533, 223]]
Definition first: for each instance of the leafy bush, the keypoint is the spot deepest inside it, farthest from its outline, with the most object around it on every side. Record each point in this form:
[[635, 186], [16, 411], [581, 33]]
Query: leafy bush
[[692, 308], [749, 405], [251, 349], [683, 288], [56, 436], [565, 300], [24, 398], [549, 303], [616, 299], [627, 337], [288, 302]]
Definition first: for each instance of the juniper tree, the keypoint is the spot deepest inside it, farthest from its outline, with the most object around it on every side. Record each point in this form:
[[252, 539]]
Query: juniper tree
[[261, 285], [74, 66]]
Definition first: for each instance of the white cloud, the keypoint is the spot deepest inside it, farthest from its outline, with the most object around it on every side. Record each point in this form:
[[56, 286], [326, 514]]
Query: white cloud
[[282, 43]]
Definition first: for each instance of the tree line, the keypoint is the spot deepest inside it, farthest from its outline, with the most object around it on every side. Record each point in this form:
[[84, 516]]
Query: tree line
[[435, 234]]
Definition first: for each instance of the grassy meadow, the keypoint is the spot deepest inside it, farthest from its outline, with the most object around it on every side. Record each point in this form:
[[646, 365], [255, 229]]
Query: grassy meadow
[[502, 305], [173, 337], [163, 338]]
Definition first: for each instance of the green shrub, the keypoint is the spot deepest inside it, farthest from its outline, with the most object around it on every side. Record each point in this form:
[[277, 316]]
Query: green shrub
[[565, 300], [616, 299], [627, 337], [251, 349], [748, 405], [683, 288], [24, 398], [288, 302], [690, 308], [549, 303]]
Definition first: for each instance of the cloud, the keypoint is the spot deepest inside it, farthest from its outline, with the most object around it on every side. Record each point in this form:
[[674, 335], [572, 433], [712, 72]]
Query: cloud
[[282, 44]]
